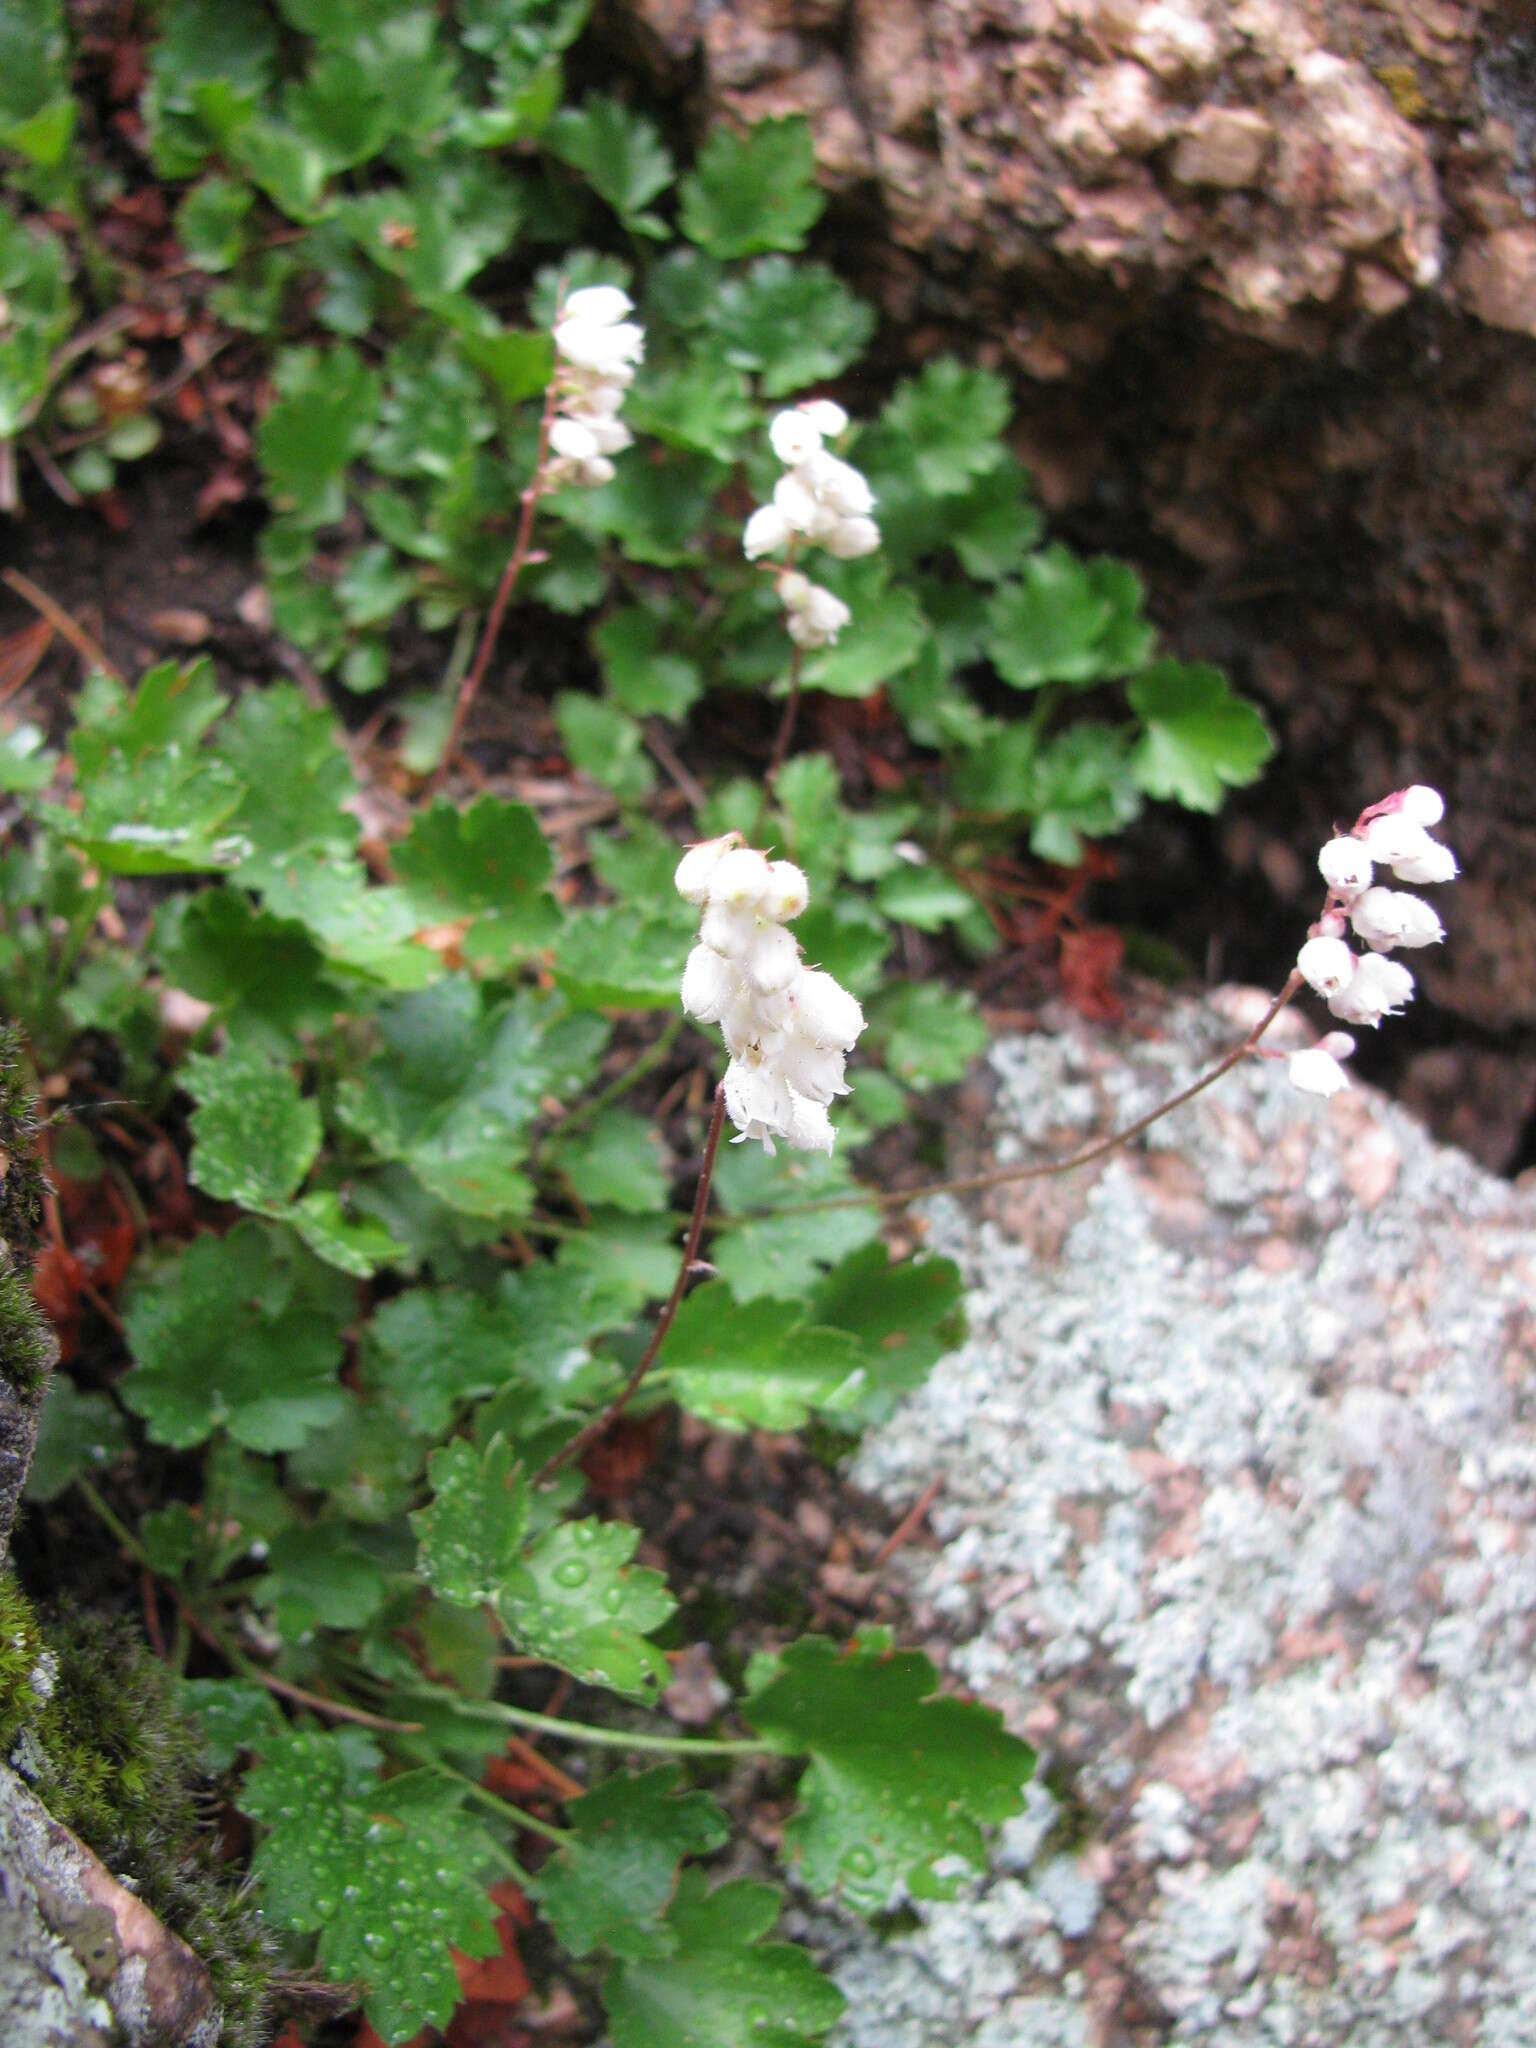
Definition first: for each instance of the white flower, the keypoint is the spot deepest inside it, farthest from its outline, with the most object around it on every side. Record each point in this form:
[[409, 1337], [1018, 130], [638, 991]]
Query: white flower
[[788, 1028], [810, 1128], [772, 960], [765, 532], [758, 1101], [699, 863], [1326, 965], [1433, 863], [1425, 806], [838, 484], [1346, 865], [798, 505], [1378, 988], [709, 984], [850, 538], [812, 1070], [788, 893], [1393, 837], [794, 438], [818, 618], [742, 879], [1317, 1072], [605, 349], [827, 417], [827, 1013], [573, 439], [730, 928], [1391, 917], [600, 305]]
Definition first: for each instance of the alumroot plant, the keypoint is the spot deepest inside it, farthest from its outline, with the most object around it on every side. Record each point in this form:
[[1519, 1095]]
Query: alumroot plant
[[1362, 988], [788, 1027]]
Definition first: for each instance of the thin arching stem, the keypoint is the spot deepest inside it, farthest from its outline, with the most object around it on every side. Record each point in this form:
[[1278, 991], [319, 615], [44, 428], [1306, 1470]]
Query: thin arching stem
[[1007, 1176], [621, 1400], [535, 489], [787, 723], [601, 1738]]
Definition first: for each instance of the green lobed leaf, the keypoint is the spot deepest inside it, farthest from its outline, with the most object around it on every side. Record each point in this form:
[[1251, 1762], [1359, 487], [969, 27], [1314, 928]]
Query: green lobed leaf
[[326, 409], [241, 1333], [576, 1601], [951, 417], [619, 152], [77, 1435], [605, 744], [472, 1533], [1068, 621], [233, 1716], [615, 1162], [1199, 740], [318, 1578], [792, 324], [386, 1874], [757, 1364], [489, 863], [610, 1885], [927, 1035], [905, 1316], [900, 1777], [433, 1348], [296, 775], [458, 1085], [619, 959], [255, 1137], [723, 1985], [640, 675], [754, 192], [26, 764]]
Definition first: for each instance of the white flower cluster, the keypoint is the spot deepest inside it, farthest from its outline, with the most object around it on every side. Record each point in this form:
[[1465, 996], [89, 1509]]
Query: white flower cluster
[[1362, 988], [819, 499], [596, 347], [788, 1027]]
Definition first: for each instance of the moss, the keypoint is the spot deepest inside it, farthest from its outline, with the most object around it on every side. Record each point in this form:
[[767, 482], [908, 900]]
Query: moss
[[26, 1345], [22, 1185], [91, 1719]]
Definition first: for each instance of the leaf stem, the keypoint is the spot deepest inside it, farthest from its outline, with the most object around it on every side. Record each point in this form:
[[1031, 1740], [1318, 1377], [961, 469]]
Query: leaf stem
[[605, 1738], [502, 1808], [621, 1400], [215, 1638], [644, 1063], [1007, 1176]]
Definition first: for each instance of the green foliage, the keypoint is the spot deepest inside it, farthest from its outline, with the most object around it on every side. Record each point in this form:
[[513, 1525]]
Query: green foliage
[[610, 1886], [1199, 739], [899, 1776], [753, 192], [722, 1985], [387, 1873], [425, 1234], [242, 1333]]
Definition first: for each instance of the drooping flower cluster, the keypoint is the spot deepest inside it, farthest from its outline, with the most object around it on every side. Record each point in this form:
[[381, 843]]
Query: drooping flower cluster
[[787, 1027], [820, 499], [597, 347], [1362, 988]]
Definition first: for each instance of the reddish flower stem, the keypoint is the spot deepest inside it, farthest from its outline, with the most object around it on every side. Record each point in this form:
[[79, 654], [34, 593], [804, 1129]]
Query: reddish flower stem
[[587, 1436], [787, 723], [516, 561]]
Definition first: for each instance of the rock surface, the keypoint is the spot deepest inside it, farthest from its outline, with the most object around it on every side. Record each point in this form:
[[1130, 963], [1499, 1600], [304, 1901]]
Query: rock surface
[[1265, 272], [1239, 1527], [83, 1962]]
